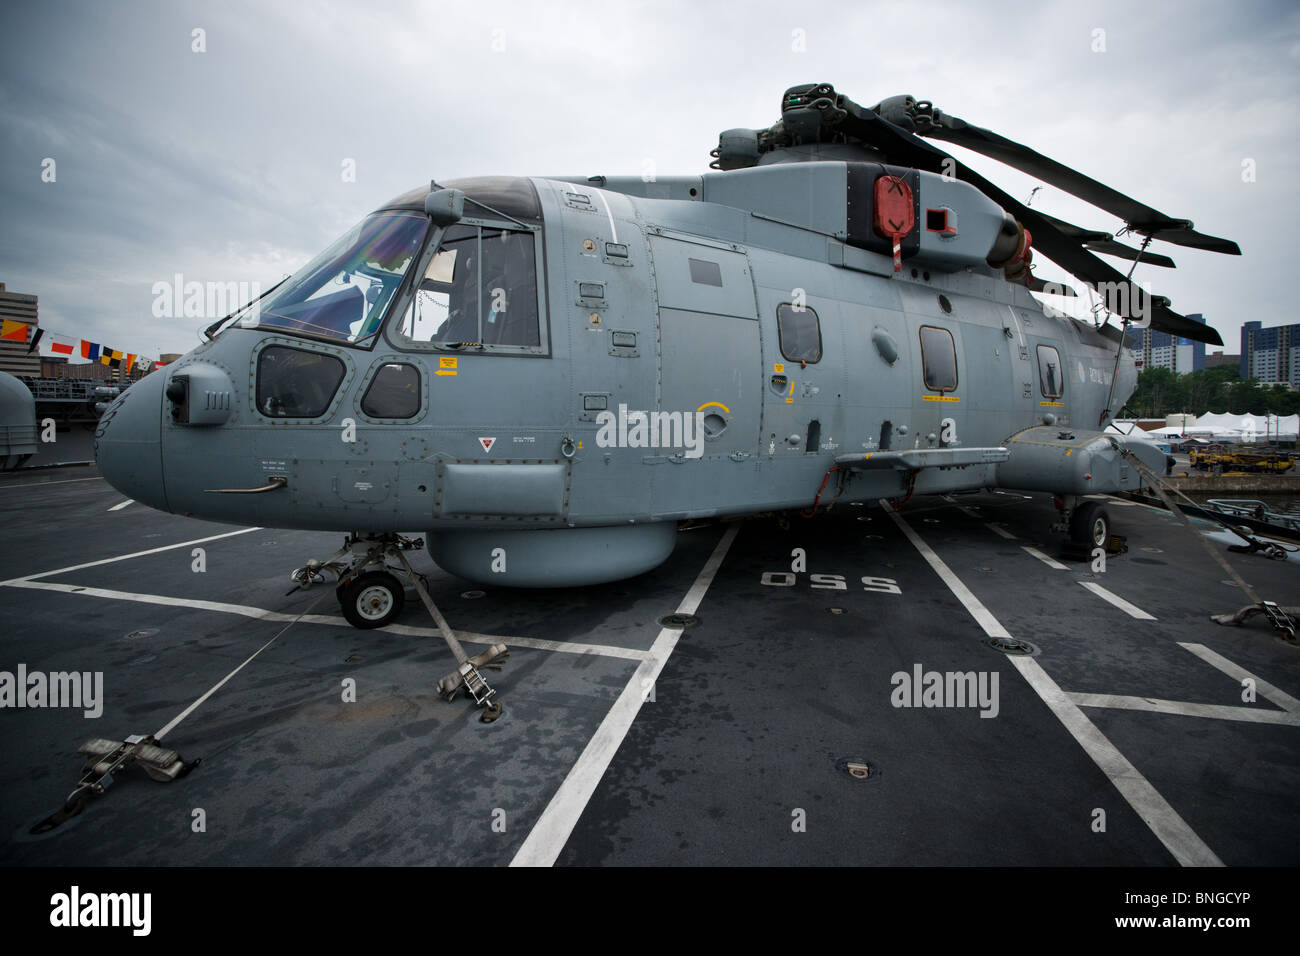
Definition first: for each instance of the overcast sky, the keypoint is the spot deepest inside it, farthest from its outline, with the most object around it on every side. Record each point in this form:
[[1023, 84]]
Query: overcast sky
[[227, 165]]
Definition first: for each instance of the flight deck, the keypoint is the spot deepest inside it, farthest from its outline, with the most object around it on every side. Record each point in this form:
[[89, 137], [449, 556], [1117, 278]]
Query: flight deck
[[824, 691]]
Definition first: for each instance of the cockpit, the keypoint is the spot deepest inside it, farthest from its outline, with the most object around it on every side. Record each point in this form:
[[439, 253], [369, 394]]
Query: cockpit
[[477, 290]]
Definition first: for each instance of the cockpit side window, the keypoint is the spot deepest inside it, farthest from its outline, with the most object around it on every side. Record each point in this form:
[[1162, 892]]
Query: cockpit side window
[[445, 306], [295, 383], [394, 392], [479, 292], [509, 290]]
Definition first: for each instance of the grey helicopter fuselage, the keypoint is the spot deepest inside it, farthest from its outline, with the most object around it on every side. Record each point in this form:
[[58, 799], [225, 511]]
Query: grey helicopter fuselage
[[638, 353]]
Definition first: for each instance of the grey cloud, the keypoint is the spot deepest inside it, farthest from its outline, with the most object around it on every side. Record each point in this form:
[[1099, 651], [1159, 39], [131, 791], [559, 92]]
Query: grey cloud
[[226, 165]]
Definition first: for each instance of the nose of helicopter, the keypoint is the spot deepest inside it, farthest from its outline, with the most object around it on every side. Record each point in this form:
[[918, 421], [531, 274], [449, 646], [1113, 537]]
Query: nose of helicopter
[[128, 442]]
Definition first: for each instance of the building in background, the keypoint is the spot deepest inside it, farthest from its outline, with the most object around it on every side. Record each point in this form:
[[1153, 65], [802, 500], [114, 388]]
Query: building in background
[[1222, 358], [1155, 349], [14, 357], [60, 367], [1271, 355], [94, 372]]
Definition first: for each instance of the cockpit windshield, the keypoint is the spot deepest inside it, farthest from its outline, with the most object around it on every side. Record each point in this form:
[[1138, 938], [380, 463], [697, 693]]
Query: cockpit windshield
[[343, 293]]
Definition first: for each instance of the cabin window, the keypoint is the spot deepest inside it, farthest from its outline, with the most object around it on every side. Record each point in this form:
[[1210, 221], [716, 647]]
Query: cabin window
[[478, 293], [394, 392], [293, 383], [938, 359], [1049, 372], [800, 332]]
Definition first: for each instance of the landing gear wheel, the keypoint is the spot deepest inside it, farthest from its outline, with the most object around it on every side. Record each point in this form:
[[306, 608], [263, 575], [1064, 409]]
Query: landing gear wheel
[[372, 599], [1090, 525]]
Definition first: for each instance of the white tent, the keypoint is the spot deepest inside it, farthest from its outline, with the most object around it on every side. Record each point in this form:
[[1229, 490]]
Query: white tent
[[1224, 426], [1132, 430], [1173, 431]]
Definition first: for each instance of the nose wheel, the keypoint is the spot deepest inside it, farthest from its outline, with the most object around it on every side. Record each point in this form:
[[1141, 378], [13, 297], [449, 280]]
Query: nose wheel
[[371, 599], [371, 592]]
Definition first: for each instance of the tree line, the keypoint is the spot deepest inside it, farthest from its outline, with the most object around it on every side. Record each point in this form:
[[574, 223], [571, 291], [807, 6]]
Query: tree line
[[1162, 392]]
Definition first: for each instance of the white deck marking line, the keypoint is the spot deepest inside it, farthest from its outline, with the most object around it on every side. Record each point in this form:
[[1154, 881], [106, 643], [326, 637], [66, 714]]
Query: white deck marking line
[[164, 600], [1050, 562], [1001, 530], [991, 625], [122, 505], [535, 643], [262, 614], [61, 481], [1132, 610], [1265, 689], [127, 557], [1170, 828], [1186, 708], [553, 828]]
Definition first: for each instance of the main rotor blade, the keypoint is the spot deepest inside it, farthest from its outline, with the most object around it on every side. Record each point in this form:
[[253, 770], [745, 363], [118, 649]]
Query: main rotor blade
[[1041, 285], [1112, 248], [1125, 298], [1105, 242], [1139, 216], [1122, 296]]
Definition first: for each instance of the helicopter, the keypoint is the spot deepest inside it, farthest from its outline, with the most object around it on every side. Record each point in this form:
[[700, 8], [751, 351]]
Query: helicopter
[[547, 375]]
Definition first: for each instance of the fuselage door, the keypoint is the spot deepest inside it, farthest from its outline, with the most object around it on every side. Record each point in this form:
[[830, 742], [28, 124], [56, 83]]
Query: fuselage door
[[709, 345], [940, 419]]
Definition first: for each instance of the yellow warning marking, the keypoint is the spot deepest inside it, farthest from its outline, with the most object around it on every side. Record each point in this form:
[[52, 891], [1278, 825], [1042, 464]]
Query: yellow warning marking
[[778, 366], [579, 446], [446, 361], [940, 398], [445, 372], [1052, 404], [789, 401], [867, 455], [1068, 451], [719, 404]]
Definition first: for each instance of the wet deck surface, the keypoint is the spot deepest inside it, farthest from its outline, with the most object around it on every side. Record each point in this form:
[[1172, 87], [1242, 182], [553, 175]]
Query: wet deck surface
[[1124, 741]]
